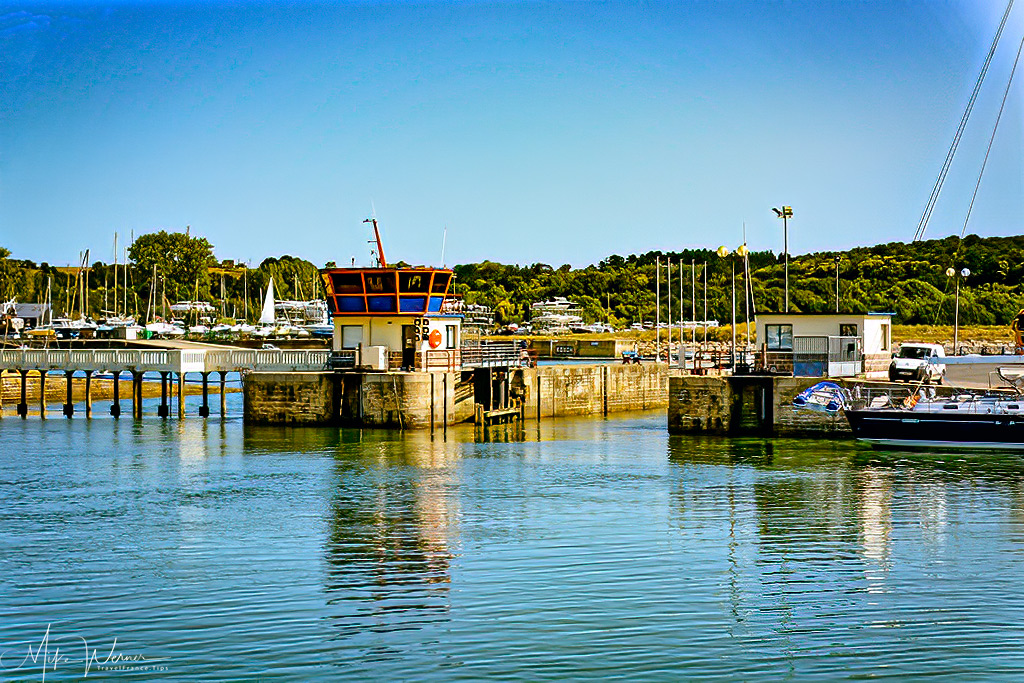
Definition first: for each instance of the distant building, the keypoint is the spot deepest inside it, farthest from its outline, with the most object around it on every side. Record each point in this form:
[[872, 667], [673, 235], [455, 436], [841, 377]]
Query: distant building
[[825, 344], [477, 319], [34, 315], [555, 316]]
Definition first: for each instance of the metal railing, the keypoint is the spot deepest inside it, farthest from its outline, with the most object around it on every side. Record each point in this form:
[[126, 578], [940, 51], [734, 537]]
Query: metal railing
[[342, 360], [440, 359], [491, 354], [161, 360]]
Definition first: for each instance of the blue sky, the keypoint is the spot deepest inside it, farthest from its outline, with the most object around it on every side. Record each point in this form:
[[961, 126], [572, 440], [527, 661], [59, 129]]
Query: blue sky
[[535, 131]]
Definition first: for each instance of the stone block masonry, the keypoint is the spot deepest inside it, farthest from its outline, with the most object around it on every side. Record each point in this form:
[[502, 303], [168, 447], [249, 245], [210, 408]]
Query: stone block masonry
[[394, 400], [746, 405], [417, 400], [597, 389], [293, 398], [411, 400]]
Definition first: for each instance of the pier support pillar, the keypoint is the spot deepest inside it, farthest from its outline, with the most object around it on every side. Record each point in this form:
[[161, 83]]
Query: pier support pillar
[[223, 396], [88, 394], [42, 394], [163, 410], [69, 405], [604, 390], [181, 395], [115, 407], [204, 410], [136, 395], [538, 396], [23, 405]]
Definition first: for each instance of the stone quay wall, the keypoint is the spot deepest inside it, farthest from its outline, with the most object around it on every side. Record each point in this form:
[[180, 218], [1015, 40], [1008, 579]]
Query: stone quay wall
[[288, 398], [597, 389], [398, 400], [416, 400], [411, 400], [747, 405]]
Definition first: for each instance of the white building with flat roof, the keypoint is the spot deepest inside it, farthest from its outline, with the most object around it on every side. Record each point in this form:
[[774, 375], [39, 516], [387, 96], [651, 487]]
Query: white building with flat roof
[[825, 344]]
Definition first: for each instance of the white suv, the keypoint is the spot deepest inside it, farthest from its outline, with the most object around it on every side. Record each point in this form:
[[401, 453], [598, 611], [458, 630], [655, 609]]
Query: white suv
[[911, 363]]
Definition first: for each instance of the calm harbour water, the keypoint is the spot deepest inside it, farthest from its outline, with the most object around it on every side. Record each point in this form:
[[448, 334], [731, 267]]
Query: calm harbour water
[[593, 548]]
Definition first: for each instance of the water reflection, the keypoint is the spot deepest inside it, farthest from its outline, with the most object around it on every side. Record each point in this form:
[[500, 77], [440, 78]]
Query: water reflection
[[807, 503], [875, 515], [392, 525]]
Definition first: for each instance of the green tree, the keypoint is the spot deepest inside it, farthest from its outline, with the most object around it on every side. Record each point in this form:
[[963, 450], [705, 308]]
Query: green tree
[[180, 258]]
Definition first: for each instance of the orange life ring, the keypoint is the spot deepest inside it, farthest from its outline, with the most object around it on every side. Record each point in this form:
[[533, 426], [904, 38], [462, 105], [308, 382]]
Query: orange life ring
[[434, 338]]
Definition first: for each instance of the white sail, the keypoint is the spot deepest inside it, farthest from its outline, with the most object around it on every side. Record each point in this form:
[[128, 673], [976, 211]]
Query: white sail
[[267, 314]]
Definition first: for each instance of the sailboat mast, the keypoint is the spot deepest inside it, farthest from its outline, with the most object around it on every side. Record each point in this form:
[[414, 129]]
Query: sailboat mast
[[81, 283], [124, 309], [682, 314], [668, 281], [657, 310], [86, 280], [704, 273], [115, 274]]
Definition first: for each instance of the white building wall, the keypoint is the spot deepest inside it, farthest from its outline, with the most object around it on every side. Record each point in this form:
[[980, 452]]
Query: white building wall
[[877, 335], [387, 331], [869, 327]]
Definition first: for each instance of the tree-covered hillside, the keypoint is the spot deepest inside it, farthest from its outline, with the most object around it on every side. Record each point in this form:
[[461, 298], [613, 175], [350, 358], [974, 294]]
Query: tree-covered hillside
[[907, 279]]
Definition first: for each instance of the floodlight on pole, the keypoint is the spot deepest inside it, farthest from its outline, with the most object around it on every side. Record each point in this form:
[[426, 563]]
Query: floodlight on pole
[[951, 272], [785, 213]]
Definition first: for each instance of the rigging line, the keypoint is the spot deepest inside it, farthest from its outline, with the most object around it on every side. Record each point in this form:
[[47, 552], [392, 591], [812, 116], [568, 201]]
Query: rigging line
[[926, 215], [954, 259], [1002, 105]]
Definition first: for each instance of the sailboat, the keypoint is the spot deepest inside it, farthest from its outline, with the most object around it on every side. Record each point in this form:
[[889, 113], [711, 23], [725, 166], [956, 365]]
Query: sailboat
[[266, 327]]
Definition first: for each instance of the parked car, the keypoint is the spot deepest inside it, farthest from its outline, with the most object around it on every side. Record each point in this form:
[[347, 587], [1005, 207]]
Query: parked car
[[911, 363]]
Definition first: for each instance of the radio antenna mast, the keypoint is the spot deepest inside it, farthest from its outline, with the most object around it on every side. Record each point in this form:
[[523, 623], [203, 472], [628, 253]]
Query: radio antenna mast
[[380, 247]]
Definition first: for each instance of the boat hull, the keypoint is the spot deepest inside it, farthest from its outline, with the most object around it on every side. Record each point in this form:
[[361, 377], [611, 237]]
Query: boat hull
[[905, 429]]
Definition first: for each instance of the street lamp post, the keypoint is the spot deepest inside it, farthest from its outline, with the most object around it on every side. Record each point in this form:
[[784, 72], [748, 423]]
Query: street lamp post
[[950, 272], [785, 214], [838, 259]]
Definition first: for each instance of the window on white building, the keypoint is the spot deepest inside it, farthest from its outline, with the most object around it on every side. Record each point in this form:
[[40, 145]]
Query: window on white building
[[779, 337], [351, 336]]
